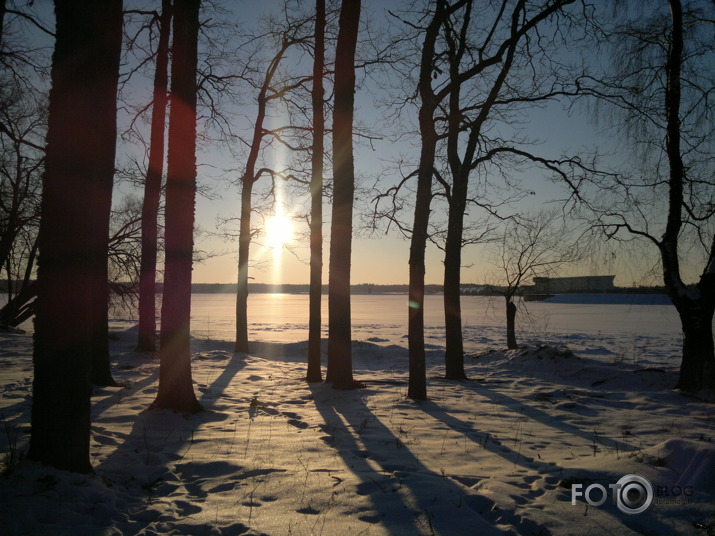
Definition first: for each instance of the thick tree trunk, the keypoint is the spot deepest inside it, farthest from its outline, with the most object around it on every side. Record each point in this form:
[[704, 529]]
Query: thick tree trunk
[[175, 385], [316, 209], [152, 190], [697, 369], [339, 371], [511, 324], [244, 243], [73, 240]]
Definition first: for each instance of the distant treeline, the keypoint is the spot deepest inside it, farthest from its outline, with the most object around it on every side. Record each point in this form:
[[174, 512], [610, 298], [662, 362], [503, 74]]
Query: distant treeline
[[265, 288], [365, 288]]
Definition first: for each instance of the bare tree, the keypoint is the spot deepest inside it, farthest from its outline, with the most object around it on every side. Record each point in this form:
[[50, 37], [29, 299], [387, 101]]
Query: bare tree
[[339, 371], [272, 88], [74, 227], [175, 386], [660, 93], [532, 245], [23, 123], [428, 137], [489, 58]]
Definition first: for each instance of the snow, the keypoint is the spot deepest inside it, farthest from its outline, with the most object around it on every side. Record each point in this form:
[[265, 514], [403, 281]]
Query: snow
[[271, 454]]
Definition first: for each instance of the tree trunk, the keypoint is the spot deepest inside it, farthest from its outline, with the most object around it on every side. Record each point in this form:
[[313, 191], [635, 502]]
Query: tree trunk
[[511, 323], [417, 389], [73, 239], [316, 208], [697, 369], [454, 344], [339, 371], [244, 243], [152, 190], [247, 181], [175, 385]]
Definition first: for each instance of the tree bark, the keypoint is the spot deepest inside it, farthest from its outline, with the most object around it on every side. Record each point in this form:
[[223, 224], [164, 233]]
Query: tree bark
[[175, 385], [316, 191], [74, 228], [152, 189], [339, 371]]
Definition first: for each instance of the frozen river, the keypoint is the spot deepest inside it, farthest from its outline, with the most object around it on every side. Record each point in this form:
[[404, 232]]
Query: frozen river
[[646, 334]]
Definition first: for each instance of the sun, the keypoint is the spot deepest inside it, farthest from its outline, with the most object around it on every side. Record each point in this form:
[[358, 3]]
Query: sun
[[279, 231]]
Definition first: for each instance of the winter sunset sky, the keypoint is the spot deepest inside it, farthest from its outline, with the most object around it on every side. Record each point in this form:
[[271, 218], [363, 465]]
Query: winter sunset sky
[[377, 257]]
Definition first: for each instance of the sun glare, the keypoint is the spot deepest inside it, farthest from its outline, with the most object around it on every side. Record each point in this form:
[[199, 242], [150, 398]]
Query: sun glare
[[279, 231]]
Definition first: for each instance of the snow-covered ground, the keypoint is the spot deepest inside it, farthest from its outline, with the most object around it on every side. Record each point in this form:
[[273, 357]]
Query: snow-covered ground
[[581, 405]]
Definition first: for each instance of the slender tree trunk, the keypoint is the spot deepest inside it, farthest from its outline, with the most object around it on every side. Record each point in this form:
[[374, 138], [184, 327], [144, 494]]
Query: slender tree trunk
[[244, 243], [152, 189], [417, 389], [316, 191], [247, 181], [511, 323], [339, 371], [175, 385], [73, 239]]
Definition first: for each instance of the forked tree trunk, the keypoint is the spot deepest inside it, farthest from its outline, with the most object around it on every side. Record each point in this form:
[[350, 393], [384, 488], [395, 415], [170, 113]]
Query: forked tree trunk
[[340, 372], [417, 388], [152, 190], [175, 385], [73, 239], [511, 323], [316, 208]]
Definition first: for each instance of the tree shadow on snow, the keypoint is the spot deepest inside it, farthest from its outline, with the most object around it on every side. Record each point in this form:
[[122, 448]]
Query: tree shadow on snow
[[558, 476], [155, 459], [408, 497]]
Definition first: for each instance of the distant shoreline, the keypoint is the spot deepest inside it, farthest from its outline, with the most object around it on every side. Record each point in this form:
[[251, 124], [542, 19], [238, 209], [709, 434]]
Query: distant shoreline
[[370, 288], [467, 289]]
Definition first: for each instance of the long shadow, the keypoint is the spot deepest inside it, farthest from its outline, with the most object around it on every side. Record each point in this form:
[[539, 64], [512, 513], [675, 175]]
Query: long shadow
[[359, 436], [219, 385], [499, 448], [520, 407], [147, 464]]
